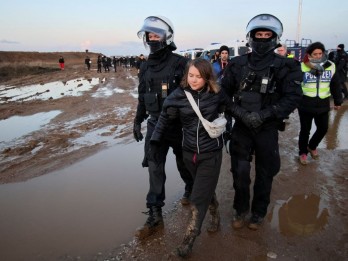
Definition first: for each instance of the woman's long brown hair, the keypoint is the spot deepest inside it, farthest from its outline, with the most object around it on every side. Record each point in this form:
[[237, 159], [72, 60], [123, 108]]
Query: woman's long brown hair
[[206, 71]]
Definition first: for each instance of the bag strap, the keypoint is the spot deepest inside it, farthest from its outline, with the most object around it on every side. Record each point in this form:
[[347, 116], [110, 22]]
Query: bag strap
[[194, 105]]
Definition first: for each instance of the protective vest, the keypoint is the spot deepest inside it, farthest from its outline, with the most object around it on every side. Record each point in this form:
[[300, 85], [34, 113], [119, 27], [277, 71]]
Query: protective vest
[[258, 88], [160, 82], [313, 86]]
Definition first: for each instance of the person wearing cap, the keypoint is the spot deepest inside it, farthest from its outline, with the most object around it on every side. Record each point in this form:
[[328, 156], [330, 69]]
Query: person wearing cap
[[265, 88], [340, 58], [159, 76], [318, 73], [221, 63]]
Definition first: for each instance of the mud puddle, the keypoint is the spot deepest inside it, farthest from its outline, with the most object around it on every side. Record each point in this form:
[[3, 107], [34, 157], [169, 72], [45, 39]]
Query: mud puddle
[[88, 208], [300, 215]]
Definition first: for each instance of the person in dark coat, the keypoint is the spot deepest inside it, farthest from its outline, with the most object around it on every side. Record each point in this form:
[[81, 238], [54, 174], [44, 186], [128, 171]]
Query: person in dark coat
[[159, 76], [99, 64], [202, 154], [265, 88], [88, 63], [139, 62], [114, 62], [340, 58]]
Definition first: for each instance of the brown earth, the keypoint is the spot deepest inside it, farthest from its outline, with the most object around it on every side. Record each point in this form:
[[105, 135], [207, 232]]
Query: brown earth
[[308, 214]]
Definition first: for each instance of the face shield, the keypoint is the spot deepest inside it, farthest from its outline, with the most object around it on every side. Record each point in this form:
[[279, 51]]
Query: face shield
[[264, 22], [160, 26]]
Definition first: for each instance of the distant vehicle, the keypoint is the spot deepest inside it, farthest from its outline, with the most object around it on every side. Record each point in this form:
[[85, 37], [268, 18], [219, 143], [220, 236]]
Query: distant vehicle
[[298, 50], [192, 53], [236, 48]]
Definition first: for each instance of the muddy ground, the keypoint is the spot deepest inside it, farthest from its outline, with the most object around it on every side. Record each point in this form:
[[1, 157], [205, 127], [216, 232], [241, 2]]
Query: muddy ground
[[308, 214]]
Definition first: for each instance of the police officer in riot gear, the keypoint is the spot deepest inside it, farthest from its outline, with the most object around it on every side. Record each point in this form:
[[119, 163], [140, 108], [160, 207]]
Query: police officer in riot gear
[[265, 89], [158, 77]]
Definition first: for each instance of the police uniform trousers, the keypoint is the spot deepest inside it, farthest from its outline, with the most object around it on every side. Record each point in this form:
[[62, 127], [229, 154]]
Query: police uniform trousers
[[321, 121], [205, 170], [264, 145], [173, 139]]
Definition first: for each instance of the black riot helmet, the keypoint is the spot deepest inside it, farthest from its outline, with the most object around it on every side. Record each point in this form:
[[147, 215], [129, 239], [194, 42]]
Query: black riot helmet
[[160, 26], [264, 22]]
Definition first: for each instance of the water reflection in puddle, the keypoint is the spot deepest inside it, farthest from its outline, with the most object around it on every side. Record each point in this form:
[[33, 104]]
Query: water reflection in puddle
[[53, 90], [300, 215], [336, 137], [18, 126], [81, 210]]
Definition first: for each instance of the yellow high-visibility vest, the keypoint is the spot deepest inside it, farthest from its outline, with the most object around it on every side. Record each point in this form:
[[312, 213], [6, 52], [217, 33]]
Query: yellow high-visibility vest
[[317, 87]]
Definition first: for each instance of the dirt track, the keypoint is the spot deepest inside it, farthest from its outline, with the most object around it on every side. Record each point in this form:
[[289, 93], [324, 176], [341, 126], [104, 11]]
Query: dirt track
[[308, 214]]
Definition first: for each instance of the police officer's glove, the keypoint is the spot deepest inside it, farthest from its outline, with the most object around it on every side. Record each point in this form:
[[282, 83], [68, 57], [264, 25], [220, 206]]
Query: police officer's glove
[[246, 119], [172, 113], [137, 132], [227, 135], [255, 120], [153, 153]]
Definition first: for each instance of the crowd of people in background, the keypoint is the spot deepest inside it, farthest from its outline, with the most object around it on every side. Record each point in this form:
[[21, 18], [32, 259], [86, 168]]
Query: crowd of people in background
[[104, 62]]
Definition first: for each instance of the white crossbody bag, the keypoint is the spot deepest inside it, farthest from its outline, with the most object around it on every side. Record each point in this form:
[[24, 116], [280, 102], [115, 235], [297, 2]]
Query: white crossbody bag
[[215, 128]]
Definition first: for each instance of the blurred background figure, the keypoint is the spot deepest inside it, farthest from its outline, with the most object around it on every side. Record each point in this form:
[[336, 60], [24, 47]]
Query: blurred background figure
[[61, 62], [88, 62]]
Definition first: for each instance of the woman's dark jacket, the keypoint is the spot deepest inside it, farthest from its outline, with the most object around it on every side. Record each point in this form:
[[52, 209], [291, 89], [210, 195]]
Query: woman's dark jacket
[[195, 137]]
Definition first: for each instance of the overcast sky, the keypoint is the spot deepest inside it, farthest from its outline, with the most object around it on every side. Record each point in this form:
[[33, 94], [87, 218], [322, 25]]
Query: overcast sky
[[110, 26]]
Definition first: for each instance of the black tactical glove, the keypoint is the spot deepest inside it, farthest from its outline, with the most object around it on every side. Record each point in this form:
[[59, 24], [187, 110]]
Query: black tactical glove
[[137, 132], [153, 153], [172, 113], [227, 135], [255, 120], [246, 119]]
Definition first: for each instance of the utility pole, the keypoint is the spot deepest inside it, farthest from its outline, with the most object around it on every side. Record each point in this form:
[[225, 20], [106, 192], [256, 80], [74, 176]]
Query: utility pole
[[299, 21]]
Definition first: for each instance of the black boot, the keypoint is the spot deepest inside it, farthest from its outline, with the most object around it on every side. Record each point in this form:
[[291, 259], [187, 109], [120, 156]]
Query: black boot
[[185, 200], [192, 231], [153, 223], [214, 222]]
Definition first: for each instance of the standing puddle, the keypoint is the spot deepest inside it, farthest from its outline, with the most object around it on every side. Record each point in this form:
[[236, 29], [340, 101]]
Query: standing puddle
[[336, 137], [52, 90], [18, 126], [92, 206], [300, 215]]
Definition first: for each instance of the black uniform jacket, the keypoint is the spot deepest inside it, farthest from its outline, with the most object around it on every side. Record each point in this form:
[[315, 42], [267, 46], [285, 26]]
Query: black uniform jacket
[[195, 137], [286, 95]]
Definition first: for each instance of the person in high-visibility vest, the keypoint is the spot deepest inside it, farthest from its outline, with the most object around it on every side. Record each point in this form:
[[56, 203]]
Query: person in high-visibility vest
[[290, 55], [315, 105]]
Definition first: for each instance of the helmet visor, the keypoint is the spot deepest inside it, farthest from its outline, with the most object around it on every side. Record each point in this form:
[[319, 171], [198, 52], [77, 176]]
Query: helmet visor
[[154, 25], [265, 21]]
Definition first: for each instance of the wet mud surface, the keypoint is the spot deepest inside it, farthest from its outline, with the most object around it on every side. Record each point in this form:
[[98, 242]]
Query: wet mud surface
[[308, 215]]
